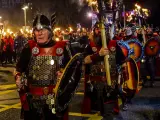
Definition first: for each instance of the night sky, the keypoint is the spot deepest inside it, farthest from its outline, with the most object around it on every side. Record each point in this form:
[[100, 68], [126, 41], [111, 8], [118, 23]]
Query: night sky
[[154, 7], [68, 11]]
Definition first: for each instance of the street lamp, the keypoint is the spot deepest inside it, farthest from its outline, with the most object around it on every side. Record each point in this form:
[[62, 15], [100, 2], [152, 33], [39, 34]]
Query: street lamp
[[0, 18], [90, 14], [25, 8], [1, 28]]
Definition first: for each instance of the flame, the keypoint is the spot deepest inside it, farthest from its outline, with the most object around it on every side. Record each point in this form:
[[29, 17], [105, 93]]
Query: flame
[[57, 39], [137, 6], [70, 29], [8, 30], [4, 33], [56, 29], [92, 2], [145, 10]]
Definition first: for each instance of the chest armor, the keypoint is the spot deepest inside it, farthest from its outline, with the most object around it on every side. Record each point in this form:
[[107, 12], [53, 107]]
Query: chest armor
[[113, 68], [43, 68], [98, 69]]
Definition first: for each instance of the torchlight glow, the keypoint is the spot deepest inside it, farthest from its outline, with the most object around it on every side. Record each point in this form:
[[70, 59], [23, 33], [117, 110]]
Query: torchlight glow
[[25, 7], [57, 39], [90, 14], [137, 6]]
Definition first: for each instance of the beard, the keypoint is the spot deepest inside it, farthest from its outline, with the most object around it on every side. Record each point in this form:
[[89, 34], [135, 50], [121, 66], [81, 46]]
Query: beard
[[98, 40]]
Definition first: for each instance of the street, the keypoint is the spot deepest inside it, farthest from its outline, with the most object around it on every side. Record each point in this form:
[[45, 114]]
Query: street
[[145, 105]]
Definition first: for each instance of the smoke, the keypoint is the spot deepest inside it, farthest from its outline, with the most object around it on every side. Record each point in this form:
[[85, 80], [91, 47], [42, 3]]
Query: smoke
[[80, 3]]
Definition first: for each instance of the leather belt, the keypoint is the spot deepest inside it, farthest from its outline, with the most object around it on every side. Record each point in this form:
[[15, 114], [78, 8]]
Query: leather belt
[[43, 82], [98, 78], [41, 90], [101, 74]]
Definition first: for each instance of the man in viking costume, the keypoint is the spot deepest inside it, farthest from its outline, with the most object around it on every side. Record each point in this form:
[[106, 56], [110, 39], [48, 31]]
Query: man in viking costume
[[136, 53], [129, 34], [38, 70], [151, 60], [97, 93]]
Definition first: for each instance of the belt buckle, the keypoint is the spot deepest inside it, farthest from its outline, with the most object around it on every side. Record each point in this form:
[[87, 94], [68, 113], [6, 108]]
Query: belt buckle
[[46, 90]]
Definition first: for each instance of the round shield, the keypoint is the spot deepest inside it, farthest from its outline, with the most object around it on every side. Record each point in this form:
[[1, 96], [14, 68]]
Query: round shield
[[136, 49], [151, 47], [125, 48], [130, 76], [67, 85]]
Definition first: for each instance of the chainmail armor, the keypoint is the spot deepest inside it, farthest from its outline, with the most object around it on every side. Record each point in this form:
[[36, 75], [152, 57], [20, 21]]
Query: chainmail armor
[[113, 68], [98, 69], [42, 70]]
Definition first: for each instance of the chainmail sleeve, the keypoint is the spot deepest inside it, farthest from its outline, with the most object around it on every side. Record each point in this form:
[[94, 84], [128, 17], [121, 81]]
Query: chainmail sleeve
[[23, 62]]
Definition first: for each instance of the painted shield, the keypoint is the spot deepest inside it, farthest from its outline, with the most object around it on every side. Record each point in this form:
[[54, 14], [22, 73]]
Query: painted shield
[[130, 76], [125, 48], [67, 85], [151, 47], [136, 49]]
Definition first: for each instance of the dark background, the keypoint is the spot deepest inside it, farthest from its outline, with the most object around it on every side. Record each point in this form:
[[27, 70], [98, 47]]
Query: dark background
[[152, 5], [69, 12]]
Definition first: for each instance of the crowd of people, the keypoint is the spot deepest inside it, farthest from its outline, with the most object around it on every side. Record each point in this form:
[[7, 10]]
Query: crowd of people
[[41, 61], [11, 46]]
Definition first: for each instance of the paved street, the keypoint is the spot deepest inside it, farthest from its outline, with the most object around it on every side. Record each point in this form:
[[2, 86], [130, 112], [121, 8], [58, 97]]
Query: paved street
[[145, 105]]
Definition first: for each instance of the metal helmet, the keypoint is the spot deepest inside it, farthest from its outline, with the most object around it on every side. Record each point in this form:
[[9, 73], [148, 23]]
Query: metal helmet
[[40, 22]]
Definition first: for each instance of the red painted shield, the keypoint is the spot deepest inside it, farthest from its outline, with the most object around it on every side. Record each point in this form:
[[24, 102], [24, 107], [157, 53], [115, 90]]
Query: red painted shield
[[151, 47]]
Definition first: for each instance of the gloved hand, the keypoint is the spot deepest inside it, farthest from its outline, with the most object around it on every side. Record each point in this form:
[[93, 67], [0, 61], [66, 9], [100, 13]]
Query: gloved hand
[[19, 82], [103, 52]]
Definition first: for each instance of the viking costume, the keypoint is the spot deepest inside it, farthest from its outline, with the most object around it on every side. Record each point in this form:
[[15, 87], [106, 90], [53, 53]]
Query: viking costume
[[132, 48], [40, 68], [98, 95], [151, 52]]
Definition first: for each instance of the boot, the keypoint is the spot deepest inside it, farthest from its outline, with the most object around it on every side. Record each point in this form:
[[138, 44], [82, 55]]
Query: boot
[[125, 107]]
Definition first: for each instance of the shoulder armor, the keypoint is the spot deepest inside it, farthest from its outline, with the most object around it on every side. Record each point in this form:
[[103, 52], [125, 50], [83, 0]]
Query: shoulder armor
[[31, 43], [61, 44]]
